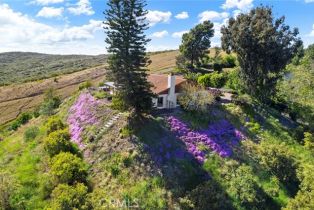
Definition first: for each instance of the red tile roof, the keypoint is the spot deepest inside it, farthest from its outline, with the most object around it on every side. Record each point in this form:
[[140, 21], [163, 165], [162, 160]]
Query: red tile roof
[[160, 83]]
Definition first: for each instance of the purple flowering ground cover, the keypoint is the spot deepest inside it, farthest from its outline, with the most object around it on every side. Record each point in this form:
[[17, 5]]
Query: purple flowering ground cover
[[81, 114], [219, 137]]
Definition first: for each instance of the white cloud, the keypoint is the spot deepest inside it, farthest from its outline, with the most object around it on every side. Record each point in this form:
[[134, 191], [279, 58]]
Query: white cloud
[[20, 32], [182, 15], [82, 7], [312, 32], [236, 13], [46, 2], [179, 34], [309, 1], [212, 15], [160, 34], [49, 12], [243, 5], [154, 16]]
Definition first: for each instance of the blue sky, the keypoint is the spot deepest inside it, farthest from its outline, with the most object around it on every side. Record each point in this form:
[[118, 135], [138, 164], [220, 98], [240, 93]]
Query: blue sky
[[75, 26]]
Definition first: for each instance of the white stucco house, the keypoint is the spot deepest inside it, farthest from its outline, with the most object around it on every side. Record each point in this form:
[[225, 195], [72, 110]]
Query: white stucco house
[[166, 87]]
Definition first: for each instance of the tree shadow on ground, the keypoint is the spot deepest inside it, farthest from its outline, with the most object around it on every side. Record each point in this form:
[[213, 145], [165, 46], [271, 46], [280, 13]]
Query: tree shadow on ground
[[182, 173]]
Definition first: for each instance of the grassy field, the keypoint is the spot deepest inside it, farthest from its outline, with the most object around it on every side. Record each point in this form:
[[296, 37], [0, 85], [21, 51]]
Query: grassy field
[[15, 99], [19, 67]]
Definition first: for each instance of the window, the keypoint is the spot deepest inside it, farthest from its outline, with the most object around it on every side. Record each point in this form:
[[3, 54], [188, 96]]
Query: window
[[160, 102]]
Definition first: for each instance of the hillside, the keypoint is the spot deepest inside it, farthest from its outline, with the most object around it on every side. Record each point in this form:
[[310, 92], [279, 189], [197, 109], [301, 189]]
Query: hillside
[[19, 98], [155, 167], [18, 67]]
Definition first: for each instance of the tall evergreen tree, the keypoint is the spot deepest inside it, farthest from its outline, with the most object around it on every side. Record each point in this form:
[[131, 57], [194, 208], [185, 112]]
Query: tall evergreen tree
[[126, 23], [264, 46], [196, 42]]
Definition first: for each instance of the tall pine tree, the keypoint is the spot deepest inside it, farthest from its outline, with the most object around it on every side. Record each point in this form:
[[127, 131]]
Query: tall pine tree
[[126, 23]]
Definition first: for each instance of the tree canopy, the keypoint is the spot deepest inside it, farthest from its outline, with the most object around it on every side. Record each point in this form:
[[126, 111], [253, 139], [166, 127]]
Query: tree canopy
[[264, 46], [196, 42], [127, 61]]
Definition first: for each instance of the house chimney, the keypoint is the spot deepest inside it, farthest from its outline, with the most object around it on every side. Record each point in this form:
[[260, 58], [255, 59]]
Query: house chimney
[[171, 84]]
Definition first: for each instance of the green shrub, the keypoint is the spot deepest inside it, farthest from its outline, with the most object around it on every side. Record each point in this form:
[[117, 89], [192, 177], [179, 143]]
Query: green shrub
[[31, 133], [309, 141], [192, 77], [229, 61], [204, 80], [217, 79], [126, 132], [278, 160], [196, 99], [51, 102], [24, 118], [274, 187], [118, 103], [233, 80], [65, 197], [67, 168], [207, 195], [101, 95], [148, 194], [14, 125], [304, 198], [59, 141], [85, 85], [21, 120], [54, 124], [8, 187], [214, 79]]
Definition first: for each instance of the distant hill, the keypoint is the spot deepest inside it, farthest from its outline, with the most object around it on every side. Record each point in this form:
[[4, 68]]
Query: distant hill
[[18, 67]]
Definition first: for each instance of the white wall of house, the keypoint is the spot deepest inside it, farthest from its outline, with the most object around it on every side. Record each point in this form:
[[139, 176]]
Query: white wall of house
[[168, 101]]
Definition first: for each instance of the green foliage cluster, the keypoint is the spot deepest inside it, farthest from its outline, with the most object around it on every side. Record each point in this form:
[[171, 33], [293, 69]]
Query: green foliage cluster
[[304, 197], [21, 67], [51, 102], [209, 195], [264, 46], [242, 184], [59, 141], [70, 197], [233, 80], [196, 42], [21, 120], [85, 85], [309, 141], [278, 160], [54, 124], [214, 79], [196, 99], [66, 185], [310, 51], [297, 91], [148, 194], [101, 94], [31, 133], [67, 168], [8, 188]]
